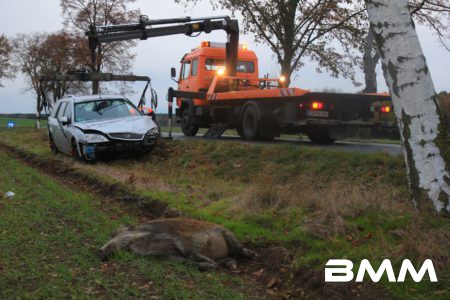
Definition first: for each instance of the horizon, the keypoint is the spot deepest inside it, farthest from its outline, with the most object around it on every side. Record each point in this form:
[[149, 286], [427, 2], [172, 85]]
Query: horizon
[[13, 98]]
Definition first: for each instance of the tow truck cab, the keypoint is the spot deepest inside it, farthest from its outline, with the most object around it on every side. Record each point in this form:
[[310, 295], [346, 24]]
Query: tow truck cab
[[201, 65]]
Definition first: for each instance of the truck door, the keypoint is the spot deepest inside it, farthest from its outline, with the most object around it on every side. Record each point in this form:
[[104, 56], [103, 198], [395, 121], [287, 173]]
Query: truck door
[[188, 76]]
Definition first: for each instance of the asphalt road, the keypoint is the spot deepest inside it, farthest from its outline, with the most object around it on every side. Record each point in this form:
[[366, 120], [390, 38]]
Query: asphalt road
[[360, 147]]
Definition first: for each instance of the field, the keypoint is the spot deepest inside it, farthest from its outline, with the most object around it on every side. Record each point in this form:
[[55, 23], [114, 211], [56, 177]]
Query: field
[[296, 207], [21, 122]]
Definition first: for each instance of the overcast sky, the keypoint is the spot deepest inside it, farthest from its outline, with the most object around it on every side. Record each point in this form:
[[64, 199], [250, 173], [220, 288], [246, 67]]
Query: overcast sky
[[156, 56]]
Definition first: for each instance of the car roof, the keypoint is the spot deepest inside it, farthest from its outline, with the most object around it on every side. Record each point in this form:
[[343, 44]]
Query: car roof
[[78, 99]]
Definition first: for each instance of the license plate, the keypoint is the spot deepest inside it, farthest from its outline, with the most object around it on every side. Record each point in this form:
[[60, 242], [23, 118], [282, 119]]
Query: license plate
[[315, 113]]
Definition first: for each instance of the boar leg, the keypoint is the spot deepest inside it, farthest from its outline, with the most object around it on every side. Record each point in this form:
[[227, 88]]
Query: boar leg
[[228, 262], [235, 246], [194, 255], [202, 266]]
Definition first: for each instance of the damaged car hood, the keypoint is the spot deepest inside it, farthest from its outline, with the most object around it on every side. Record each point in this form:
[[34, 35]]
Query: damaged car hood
[[139, 124]]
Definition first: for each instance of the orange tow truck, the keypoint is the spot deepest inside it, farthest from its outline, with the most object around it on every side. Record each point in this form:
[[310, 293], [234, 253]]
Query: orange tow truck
[[219, 88], [262, 108]]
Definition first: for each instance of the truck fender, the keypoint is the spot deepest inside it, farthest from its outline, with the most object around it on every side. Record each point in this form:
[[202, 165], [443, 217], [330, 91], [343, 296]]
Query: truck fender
[[186, 103]]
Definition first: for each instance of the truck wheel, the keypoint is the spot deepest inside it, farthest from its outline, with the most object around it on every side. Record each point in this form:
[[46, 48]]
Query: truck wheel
[[320, 135], [250, 123], [239, 130], [187, 125], [268, 128]]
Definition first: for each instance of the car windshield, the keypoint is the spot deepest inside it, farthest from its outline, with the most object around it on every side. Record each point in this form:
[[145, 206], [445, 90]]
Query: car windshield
[[104, 109]]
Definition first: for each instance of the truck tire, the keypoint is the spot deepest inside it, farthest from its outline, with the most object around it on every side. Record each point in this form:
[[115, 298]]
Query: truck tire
[[268, 127], [187, 124], [239, 130], [320, 135], [250, 123]]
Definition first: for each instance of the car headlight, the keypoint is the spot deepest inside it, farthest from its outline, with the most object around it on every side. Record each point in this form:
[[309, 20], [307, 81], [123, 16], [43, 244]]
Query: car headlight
[[153, 131], [95, 138]]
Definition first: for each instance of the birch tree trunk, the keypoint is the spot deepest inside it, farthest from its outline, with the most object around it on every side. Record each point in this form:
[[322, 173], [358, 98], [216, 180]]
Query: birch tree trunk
[[38, 112], [421, 123]]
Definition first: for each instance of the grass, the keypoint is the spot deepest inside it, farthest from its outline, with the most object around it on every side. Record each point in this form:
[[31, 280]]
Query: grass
[[319, 204], [49, 237]]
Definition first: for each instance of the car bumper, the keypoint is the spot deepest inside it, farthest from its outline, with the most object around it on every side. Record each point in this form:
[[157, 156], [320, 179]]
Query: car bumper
[[117, 147]]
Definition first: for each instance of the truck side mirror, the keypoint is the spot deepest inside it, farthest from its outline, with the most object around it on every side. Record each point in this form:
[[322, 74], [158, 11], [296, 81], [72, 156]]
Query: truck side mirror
[[173, 74]]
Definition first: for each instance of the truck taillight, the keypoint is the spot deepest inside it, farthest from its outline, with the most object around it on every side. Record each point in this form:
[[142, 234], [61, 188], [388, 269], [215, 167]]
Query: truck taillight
[[316, 105], [385, 109]]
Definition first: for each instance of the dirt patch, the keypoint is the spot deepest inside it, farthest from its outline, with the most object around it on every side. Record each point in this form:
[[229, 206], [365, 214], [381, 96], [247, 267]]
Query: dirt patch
[[144, 207], [313, 282]]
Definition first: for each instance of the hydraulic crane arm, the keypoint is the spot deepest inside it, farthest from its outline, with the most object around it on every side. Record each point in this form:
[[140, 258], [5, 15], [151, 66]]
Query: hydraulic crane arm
[[147, 28], [83, 76]]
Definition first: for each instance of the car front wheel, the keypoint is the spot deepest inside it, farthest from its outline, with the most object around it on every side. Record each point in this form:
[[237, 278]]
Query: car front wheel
[[75, 154], [53, 147]]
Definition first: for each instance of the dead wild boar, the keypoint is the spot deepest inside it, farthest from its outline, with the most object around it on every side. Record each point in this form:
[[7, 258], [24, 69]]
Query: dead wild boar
[[204, 244]]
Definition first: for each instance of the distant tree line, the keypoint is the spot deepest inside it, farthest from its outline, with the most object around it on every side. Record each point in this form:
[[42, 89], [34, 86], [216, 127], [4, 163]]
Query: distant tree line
[[42, 54]]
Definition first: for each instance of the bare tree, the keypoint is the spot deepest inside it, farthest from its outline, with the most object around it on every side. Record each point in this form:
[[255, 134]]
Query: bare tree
[[64, 53], [369, 62], [300, 29], [430, 13], [6, 66], [42, 54], [421, 122], [112, 57]]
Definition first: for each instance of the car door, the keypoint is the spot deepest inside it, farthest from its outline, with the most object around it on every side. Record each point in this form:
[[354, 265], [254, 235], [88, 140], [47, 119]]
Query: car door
[[52, 121], [58, 129], [67, 128]]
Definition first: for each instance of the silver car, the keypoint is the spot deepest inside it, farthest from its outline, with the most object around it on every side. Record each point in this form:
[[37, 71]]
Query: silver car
[[92, 127]]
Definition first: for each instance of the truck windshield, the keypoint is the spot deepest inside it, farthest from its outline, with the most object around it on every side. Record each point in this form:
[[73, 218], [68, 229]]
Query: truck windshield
[[212, 64], [104, 109]]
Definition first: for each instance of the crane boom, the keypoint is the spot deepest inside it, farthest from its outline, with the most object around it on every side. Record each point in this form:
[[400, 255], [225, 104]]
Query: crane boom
[[147, 28], [83, 76]]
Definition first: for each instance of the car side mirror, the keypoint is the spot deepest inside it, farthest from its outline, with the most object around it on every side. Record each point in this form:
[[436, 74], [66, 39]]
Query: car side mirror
[[64, 120], [154, 99], [173, 72]]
